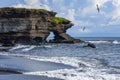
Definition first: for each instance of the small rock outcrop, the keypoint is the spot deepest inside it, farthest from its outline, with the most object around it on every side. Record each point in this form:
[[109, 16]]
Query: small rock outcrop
[[21, 25]]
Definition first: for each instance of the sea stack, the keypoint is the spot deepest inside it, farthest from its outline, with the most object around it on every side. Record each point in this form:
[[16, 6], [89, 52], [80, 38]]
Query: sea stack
[[21, 25]]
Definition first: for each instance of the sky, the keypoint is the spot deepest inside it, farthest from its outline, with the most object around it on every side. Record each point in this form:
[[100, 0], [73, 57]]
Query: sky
[[83, 13]]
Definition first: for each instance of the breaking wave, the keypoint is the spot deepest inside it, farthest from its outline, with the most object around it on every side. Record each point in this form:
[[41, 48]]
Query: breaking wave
[[105, 42], [25, 48], [116, 42], [99, 42], [86, 68]]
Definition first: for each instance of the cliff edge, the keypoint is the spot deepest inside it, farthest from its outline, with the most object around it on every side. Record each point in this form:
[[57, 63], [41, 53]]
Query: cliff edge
[[21, 25]]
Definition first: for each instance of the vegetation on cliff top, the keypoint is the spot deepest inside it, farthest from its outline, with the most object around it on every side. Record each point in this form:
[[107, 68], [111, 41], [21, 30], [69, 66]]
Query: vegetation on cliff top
[[58, 20]]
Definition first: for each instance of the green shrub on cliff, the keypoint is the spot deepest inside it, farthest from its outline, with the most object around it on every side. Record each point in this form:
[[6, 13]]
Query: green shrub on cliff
[[58, 20]]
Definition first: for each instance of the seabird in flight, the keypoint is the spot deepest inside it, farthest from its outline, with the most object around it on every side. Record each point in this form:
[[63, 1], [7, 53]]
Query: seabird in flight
[[83, 28], [98, 8]]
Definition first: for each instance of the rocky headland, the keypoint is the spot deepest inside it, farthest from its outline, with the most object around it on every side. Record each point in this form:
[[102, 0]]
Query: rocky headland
[[21, 25]]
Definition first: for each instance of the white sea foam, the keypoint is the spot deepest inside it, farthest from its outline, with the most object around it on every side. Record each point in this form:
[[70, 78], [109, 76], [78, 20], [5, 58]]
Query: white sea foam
[[18, 47], [86, 69], [78, 74], [116, 42], [48, 46], [86, 72], [98, 42], [28, 48], [23, 48]]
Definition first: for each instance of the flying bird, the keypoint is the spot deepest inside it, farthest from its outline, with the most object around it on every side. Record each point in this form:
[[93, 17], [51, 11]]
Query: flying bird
[[83, 28], [98, 9]]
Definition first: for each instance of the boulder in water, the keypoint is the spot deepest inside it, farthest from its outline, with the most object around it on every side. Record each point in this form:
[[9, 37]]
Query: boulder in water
[[91, 45]]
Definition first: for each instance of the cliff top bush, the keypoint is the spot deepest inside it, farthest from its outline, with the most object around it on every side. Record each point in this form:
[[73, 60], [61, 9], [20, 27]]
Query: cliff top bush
[[58, 20]]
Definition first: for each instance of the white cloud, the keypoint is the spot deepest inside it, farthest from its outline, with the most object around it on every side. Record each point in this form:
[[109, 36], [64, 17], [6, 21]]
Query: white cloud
[[46, 1], [114, 15], [57, 1], [114, 22], [116, 3], [88, 10], [84, 23], [71, 14], [33, 4], [116, 12]]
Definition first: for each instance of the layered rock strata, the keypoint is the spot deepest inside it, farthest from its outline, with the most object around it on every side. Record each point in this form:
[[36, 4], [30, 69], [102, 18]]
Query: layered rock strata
[[20, 25]]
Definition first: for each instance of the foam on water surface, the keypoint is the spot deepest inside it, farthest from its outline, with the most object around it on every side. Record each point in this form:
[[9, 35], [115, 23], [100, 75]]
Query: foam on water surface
[[87, 69], [84, 71], [105, 42], [99, 42], [116, 42]]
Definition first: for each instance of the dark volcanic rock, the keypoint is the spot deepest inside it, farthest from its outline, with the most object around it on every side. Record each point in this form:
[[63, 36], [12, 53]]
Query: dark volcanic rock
[[90, 45], [32, 26]]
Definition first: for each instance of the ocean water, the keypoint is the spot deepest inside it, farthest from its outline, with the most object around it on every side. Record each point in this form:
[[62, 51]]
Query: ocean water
[[101, 63]]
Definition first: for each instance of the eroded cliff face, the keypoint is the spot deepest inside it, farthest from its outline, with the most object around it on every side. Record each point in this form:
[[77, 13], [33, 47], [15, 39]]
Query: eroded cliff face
[[32, 25]]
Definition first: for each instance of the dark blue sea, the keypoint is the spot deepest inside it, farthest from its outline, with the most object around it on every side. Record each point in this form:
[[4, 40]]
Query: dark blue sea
[[100, 63]]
